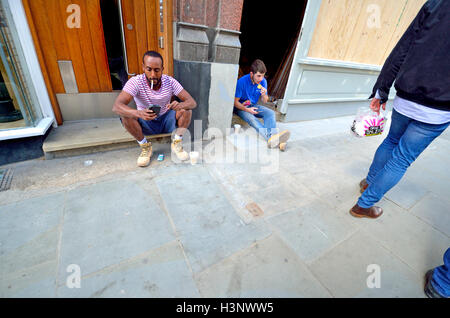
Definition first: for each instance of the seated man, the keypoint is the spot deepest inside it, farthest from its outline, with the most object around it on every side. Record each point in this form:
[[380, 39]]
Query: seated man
[[249, 89], [154, 88]]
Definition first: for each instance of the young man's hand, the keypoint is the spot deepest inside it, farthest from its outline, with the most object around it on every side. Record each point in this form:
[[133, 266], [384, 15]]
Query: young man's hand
[[252, 110], [263, 91], [146, 114], [176, 106], [375, 105]]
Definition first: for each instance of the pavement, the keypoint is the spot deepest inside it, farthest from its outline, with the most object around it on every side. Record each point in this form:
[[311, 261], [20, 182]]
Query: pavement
[[275, 224]]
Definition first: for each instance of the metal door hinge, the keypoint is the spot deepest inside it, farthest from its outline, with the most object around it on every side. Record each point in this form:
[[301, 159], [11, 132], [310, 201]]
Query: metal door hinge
[[161, 42]]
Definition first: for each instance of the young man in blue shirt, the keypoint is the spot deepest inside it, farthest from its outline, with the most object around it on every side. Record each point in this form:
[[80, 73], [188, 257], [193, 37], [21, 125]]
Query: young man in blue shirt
[[249, 89]]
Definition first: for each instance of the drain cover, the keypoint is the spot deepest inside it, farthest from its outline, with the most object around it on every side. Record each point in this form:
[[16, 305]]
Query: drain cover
[[5, 179]]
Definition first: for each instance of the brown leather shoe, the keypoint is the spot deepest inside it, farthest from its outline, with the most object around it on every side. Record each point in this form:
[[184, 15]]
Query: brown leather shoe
[[371, 213], [363, 185]]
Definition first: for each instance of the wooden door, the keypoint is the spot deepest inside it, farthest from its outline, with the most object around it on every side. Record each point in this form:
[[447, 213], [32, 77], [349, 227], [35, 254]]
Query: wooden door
[[56, 38], [69, 33], [147, 26]]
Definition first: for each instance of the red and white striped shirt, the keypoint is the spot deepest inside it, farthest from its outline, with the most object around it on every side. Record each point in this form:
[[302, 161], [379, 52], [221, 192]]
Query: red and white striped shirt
[[144, 96]]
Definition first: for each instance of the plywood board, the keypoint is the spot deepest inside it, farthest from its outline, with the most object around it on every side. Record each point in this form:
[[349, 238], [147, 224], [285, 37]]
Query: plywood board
[[363, 31], [412, 7], [334, 28], [373, 31]]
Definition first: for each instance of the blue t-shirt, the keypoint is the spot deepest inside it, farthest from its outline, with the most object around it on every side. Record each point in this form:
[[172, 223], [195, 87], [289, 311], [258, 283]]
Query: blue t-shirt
[[246, 90]]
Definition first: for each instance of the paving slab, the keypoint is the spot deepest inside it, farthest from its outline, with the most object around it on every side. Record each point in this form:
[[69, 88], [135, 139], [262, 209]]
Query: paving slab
[[312, 230], [434, 210], [207, 224], [266, 269], [161, 272], [109, 222], [37, 281], [345, 272], [412, 240], [406, 193], [29, 232]]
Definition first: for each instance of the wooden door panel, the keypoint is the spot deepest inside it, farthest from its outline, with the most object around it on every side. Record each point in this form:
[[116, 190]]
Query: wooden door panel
[[45, 41], [45, 71], [144, 17], [152, 32], [94, 18], [84, 46]]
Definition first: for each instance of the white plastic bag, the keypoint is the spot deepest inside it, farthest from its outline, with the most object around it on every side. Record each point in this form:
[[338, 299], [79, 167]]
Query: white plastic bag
[[368, 123]]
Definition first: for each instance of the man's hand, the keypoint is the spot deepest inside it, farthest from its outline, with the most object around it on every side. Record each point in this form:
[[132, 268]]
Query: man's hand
[[176, 106], [252, 110], [375, 105], [263, 91], [146, 114]]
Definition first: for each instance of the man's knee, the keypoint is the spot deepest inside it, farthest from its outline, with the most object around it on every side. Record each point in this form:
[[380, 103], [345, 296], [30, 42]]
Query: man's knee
[[184, 114], [128, 122], [269, 112]]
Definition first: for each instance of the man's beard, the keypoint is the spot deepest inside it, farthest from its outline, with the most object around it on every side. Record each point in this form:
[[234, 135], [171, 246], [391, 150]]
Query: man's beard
[[149, 81]]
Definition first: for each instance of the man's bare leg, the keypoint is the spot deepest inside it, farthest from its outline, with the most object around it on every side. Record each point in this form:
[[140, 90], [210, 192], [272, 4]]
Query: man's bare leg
[[133, 127], [183, 118]]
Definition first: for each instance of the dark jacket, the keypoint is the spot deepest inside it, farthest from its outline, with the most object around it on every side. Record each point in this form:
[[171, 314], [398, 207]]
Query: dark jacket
[[420, 62]]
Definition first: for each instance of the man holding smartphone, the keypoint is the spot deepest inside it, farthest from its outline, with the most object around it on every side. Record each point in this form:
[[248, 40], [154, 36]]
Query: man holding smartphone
[[249, 89], [150, 90]]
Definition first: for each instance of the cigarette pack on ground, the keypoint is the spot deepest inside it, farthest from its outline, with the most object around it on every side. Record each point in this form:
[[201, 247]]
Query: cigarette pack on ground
[[368, 123]]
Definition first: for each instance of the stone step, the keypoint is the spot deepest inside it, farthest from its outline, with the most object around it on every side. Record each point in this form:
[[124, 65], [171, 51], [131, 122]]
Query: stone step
[[75, 138]]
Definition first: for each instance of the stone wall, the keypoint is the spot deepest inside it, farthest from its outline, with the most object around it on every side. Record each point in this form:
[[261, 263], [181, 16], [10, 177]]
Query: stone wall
[[207, 30]]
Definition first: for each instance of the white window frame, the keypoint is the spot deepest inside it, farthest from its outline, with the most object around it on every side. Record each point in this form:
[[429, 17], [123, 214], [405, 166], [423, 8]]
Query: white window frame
[[37, 79]]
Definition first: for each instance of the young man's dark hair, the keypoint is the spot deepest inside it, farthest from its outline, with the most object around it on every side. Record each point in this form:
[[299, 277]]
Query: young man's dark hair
[[152, 54], [258, 66]]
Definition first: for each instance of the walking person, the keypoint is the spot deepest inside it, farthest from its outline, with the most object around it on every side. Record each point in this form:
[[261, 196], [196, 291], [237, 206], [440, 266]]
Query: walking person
[[420, 66]]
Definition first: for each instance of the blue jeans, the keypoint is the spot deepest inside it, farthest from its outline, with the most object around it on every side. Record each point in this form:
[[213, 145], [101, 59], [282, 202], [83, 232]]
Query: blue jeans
[[441, 276], [265, 130], [160, 125], [406, 140]]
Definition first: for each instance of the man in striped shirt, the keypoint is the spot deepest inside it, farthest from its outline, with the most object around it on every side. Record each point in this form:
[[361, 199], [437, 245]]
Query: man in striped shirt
[[154, 88]]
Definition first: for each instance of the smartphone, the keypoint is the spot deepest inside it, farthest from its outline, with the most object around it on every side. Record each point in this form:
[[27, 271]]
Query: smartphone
[[155, 108]]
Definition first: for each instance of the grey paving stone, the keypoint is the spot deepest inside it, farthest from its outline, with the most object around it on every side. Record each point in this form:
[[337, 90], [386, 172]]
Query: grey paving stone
[[412, 240], [161, 272], [278, 199], [434, 210], [344, 270], [32, 282], [29, 232], [430, 181], [406, 193], [108, 222], [22, 221], [207, 224], [267, 269], [297, 160], [312, 229]]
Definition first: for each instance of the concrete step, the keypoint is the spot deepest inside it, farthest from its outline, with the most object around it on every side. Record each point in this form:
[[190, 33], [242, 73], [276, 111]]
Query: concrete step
[[75, 138]]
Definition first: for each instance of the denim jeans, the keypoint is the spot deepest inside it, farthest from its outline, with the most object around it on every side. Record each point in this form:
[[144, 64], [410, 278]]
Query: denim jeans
[[406, 140], [267, 129], [441, 276]]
